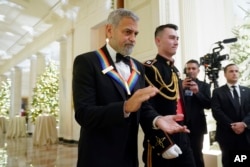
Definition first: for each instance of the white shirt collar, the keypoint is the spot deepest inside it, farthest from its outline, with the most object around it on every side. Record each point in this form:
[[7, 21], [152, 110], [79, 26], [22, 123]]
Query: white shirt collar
[[111, 51], [122, 68], [230, 85]]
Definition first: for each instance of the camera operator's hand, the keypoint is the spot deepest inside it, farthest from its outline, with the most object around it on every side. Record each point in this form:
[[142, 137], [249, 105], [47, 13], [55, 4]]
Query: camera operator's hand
[[186, 83], [194, 87]]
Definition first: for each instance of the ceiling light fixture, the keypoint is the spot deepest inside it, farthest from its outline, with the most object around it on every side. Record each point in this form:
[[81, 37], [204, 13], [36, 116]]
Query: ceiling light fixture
[[2, 17], [10, 34], [11, 4], [29, 29]]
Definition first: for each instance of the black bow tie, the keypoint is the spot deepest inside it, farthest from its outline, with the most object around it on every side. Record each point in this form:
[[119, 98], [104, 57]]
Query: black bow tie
[[125, 59]]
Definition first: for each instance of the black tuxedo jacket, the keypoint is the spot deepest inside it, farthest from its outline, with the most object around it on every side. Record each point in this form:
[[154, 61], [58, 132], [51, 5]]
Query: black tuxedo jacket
[[106, 137], [195, 105], [224, 112]]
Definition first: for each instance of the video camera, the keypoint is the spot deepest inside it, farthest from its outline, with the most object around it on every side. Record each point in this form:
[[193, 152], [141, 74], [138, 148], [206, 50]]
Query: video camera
[[211, 61]]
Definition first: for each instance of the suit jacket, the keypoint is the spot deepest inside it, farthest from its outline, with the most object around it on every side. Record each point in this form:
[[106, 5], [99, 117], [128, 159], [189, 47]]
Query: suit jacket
[[195, 105], [224, 112], [106, 137]]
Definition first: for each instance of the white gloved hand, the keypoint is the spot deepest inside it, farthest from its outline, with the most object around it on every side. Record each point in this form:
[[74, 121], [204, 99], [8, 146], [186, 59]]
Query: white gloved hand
[[173, 152]]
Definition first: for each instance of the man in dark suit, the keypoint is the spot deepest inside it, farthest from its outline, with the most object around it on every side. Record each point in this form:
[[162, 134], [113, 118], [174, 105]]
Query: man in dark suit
[[162, 73], [231, 111], [110, 98], [197, 97]]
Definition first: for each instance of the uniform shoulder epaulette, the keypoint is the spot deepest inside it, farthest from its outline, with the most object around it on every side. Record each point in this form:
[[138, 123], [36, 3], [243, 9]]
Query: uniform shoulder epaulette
[[149, 63]]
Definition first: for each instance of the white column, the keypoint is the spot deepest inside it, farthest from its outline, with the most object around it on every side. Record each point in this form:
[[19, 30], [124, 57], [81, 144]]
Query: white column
[[37, 67], [189, 30], [33, 60], [15, 100], [169, 12], [202, 23], [32, 76], [66, 114], [40, 64]]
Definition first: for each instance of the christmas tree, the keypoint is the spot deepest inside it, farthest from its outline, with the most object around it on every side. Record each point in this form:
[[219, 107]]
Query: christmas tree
[[240, 51], [5, 98], [45, 99]]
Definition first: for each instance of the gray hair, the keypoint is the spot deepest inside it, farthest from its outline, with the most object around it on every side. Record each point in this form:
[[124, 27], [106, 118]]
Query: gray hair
[[115, 16]]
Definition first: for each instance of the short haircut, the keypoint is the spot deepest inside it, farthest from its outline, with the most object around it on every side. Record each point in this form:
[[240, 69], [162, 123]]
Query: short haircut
[[160, 28], [115, 16], [193, 61], [229, 65]]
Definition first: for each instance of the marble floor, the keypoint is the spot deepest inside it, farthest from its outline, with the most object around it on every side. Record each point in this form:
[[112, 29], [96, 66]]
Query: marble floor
[[20, 152]]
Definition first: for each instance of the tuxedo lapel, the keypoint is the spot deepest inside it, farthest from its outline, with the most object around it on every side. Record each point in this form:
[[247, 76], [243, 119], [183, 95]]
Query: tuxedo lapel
[[117, 85], [137, 86], [242, 100], [125, 88], [242, 95], [120, 89]]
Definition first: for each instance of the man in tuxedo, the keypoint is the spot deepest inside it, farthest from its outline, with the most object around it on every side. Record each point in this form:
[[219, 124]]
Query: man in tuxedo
[[197, 97], [231, 110], [110, 98]]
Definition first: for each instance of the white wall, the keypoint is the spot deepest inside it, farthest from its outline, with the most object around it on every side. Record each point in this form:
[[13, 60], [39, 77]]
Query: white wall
[[201, 24]]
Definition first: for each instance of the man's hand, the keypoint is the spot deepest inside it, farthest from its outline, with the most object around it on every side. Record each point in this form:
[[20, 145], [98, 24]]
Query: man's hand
[[173, 152], [169, 125], [194, 87], [186, 83], [238, 127], [140, 96]]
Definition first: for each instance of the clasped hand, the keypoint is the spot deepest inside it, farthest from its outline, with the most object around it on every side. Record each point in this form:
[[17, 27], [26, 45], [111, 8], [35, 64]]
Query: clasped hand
[[238, 127]]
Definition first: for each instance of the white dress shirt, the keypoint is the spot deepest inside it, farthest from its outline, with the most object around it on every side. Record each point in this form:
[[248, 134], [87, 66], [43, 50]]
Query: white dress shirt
[[122, 68]]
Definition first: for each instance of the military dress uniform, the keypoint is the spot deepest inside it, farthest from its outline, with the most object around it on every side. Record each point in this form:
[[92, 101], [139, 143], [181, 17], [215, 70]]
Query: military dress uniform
[[162, 74]]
